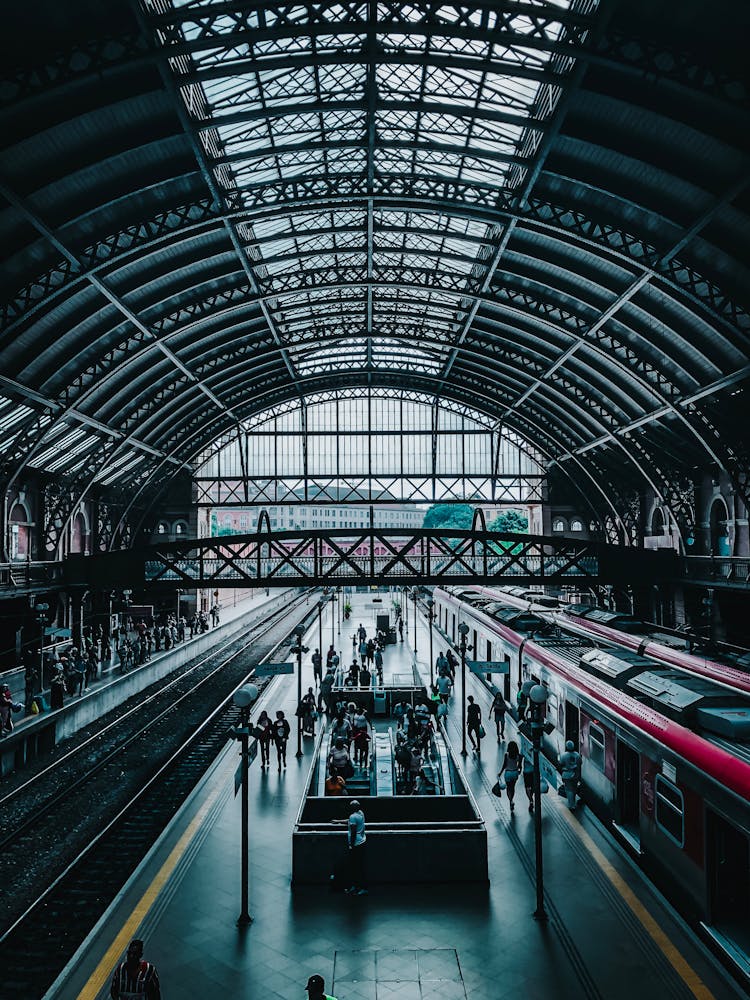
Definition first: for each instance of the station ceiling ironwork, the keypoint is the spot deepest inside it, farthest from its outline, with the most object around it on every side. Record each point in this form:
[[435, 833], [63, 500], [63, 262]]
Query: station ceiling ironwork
[[536, 209]]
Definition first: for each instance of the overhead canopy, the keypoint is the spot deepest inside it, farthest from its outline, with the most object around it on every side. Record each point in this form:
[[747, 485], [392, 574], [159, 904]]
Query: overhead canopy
[[537, 210]]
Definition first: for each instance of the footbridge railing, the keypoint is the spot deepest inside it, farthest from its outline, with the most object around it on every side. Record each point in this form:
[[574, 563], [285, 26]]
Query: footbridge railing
[[374, 556]]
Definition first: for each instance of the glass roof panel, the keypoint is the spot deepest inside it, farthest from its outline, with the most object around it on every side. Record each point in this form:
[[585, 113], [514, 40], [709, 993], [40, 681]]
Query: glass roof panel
[[280, 95]]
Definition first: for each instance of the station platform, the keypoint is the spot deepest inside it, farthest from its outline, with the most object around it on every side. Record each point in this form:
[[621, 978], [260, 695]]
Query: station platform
[[33, 735], [609, 934]]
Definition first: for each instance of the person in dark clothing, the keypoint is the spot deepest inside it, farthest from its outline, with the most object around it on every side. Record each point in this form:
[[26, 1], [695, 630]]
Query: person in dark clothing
[[498, 710], [265, 727], [473, 724], [281, 731], [135, 977], [317, 662]]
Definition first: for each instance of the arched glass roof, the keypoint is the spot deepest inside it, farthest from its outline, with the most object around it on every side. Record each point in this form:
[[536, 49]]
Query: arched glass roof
[[536, 210]]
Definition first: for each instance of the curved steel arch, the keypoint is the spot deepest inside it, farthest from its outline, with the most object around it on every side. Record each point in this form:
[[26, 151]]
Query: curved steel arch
[[562, 202]]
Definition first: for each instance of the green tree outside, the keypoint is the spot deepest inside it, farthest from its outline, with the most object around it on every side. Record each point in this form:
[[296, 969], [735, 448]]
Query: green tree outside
[[509, 520], [449, 515]]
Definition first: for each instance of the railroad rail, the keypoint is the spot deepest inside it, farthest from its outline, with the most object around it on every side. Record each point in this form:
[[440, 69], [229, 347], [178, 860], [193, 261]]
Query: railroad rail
[[135, 799]]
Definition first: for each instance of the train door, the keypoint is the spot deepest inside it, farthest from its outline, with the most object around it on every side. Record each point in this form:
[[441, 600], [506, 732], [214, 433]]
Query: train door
[[729, 881], [506, 679], [628, 789], [572, 724]]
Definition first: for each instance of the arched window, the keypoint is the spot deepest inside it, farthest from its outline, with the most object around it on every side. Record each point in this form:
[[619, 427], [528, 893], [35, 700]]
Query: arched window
[[576, 525], [162, 528], [657, 522], [180, 528], [558, 524], [719, 528]]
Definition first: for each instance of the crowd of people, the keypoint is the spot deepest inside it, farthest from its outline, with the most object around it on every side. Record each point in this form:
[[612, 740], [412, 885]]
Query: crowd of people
[[69, 670]]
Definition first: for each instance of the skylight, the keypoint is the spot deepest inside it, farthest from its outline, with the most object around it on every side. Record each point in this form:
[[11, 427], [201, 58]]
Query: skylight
[[326, 134]]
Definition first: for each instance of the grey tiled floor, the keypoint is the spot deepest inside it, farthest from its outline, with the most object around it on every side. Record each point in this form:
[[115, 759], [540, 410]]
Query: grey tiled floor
[[445, 943]]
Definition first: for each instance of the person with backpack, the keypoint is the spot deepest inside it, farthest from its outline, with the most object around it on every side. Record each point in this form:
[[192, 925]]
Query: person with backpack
[[135, 977], [570, 769], [498, 710], [316, 989], [281, 731], [510, 771]]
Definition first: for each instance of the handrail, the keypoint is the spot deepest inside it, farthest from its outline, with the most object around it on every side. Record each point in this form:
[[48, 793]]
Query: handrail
[[735, 569]]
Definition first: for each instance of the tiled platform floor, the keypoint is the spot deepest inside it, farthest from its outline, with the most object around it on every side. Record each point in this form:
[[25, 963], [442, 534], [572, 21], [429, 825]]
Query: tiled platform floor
[[400, 941]]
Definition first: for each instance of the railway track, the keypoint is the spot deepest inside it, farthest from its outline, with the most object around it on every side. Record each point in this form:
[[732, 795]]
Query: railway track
[[138, 779]]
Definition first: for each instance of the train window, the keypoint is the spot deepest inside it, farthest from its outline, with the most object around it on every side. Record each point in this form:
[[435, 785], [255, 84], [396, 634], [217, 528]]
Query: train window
[[596, 746], [670, 810]]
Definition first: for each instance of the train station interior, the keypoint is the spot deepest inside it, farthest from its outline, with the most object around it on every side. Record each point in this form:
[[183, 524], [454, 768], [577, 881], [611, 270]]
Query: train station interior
[[375, 477]]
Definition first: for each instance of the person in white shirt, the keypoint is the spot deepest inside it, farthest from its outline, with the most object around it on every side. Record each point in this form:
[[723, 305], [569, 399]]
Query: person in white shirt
[[357, 842]]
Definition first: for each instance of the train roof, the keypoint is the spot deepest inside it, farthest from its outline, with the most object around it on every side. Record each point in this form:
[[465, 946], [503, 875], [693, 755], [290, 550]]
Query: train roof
[[521, 621], [615, 619], [615, 667]]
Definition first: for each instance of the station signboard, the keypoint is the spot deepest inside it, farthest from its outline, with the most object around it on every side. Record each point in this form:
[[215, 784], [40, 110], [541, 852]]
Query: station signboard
[[272, 669], [488, 666]]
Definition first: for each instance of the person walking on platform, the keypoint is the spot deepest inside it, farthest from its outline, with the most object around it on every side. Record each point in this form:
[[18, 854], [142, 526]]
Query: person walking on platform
[[317, 662], [401, 629], [363, 651], [316, 989], [135, 977], [379, 665], [329, 657], [570, 769], [306, 711], [281, 731], [498, 711], [521, 702], [474, 725], [442, 665], [357, 845], [325, 695], [444, 686], [361, 632], [265, 735], [528, 778], [510, 770]]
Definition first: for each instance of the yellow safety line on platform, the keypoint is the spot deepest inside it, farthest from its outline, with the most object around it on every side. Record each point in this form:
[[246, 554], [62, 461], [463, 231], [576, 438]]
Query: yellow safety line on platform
[[102, 975], [681, 966]]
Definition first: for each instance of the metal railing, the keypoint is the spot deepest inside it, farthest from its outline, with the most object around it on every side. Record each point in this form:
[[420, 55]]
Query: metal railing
[[30, 575], [719, 569]]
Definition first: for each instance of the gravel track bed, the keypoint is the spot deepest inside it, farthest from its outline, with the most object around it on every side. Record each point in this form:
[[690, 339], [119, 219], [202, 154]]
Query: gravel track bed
[[42, 852]]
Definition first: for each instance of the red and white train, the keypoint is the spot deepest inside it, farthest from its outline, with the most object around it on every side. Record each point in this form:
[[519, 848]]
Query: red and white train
[[665, 755], [628, 634]]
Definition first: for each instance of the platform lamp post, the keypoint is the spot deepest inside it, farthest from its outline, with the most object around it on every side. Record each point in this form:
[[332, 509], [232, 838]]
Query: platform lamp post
[[538, 702], [299, 649], [430, 619], [333, 620], [463, 648], [320, 621], [41, 609], [243, 698], [414, 597]]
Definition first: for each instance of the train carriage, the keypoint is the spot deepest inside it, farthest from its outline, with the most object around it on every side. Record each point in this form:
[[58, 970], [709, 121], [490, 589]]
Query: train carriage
[[665, 759]]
